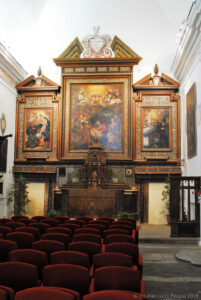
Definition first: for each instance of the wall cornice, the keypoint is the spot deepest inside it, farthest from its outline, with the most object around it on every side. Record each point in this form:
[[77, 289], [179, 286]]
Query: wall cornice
[[189, 43], [10, 66]]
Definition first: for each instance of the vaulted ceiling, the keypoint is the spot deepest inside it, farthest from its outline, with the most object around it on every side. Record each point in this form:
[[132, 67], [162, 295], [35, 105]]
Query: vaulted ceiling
[[36, 31]]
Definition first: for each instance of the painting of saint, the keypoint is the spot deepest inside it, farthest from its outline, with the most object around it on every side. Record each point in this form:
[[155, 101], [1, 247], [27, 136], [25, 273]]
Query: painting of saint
[[156, 131], [96, 116], [191, 122], [37, 129]]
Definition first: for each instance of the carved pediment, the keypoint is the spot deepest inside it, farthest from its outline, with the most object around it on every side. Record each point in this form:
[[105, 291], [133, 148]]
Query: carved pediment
[[37, 83], [156, 81], [73, 50], [121, 50]]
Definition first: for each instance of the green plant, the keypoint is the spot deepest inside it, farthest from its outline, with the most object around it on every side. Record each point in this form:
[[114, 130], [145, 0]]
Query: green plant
[[166, 211], [53, 213], [18, 196], [123, 214]]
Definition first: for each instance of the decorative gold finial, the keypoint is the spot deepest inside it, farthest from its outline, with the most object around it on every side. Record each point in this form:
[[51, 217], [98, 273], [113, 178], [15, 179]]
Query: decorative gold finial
[[156, 70], [3, 123], [39, 71]]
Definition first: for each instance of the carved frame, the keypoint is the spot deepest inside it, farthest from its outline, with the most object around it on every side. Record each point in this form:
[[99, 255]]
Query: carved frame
[[156, 100], [125, 152], [43, 101]]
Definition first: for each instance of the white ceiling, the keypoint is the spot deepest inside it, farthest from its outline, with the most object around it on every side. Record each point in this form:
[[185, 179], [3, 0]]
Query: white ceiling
[[36, 31]]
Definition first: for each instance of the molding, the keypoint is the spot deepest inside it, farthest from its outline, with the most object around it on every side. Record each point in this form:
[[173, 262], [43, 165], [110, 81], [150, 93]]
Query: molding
[[189, 43], [10, 65], [8, 85]]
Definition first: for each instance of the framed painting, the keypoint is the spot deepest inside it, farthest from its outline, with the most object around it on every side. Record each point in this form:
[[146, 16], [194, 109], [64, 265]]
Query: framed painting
[[128, 172], [38, 129], [96, 111], [156, 128], [191, 122]]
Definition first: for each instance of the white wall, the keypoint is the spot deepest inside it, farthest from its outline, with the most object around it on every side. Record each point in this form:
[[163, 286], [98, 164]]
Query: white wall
[[155, 204]]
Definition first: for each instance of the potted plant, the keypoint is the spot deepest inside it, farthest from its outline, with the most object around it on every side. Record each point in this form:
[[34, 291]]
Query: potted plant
[[53, 213], [123, 214], [166, 211], [18, 196]]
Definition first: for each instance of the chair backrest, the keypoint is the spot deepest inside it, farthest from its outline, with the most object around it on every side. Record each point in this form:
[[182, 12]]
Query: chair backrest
[[43, 293], [39, 218], [87, 230], [109, 219], [118, 238], [8, 291], [62, 219], [60, 229], [71, 226], [122, 226], [5, 230], [41, 226], [130, 220], [18, 275], [18, 217], [56, 236], [70, 257], [14, 225], [126, 248], [85, 218], [24, 240], [48, 246], [35, 257], [114, 231], [112, 259], [114, 295], [5, 220], [5, 247], [78, 222], [96, 226], [101, 222], [50, 221], [89, 248], [87, 237], [67, 276], [117, 278], [30, 229]]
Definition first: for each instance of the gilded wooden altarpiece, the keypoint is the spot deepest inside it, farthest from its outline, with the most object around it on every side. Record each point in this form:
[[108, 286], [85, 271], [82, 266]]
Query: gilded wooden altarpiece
[[157, 126], [96, 109], [37, 126]]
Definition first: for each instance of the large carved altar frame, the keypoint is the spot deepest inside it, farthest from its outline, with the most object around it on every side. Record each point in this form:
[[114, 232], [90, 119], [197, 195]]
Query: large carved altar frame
[[159, 99], [125, 79]]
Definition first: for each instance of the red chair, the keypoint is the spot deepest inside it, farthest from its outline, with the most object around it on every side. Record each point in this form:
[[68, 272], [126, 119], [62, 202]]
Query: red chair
[[35, 257], [118, 238], [50, 221], [67, 276], [62, 219], [4, 230], [117, 278], [55, 236], [41, 226], [44, 293], [71, 226], [96, 226], [24, 240], [78, 222], [18, 275], [1, 236], [30, 229], [90, 248], [48, 246], [109, 219], [13, 225], [114, 295], [127, 248], [90, 237], [60, 229], [5, 247], [38, 218], [121, 226], [112, 259], [27, 221], [87, 230], [101, 222], [5, 220], [70, 257], [8, 293], [18, 217], [133, 221], [85, 218], [114, 231]]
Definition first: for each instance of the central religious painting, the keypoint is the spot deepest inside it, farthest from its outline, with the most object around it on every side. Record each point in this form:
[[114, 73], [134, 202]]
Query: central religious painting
[[96, 116]]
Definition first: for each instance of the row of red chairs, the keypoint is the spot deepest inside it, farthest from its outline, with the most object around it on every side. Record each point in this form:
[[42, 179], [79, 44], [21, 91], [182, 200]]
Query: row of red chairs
[[20, 275]]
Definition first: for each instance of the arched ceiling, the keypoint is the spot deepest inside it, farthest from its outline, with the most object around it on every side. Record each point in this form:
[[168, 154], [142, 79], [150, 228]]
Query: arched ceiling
[[36, 31]]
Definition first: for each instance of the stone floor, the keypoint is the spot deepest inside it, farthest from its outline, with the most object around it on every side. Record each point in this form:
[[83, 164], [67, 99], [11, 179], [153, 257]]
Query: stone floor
[[166, 276]]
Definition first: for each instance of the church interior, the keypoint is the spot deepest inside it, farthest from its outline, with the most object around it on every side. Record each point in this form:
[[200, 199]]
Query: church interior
[[101, 124]]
